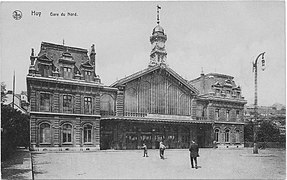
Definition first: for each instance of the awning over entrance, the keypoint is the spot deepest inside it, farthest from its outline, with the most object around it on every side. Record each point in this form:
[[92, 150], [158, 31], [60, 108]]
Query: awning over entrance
[[151, 120]]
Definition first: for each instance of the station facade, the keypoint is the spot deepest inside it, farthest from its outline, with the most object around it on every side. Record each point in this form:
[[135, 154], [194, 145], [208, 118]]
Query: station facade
[[71, 109]]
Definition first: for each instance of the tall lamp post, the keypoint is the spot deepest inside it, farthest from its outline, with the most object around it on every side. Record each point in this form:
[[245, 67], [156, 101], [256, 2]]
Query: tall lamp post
[[255, 145]]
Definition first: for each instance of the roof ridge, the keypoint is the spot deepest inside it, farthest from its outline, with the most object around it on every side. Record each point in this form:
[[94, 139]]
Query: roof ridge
[[62, 47]]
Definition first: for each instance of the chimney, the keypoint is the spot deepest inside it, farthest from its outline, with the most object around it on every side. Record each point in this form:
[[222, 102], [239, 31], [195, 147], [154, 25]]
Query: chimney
[[93, 55], [32, 57]]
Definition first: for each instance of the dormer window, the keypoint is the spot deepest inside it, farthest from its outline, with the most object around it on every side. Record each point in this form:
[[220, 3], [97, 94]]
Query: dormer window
[[217, 92], [228, 93], [88, 75], [67, 73], [238, 94], [44, 70]]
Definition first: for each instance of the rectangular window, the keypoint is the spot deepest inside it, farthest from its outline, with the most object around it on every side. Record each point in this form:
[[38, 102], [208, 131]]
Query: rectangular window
[[238, 94], [237, 114], [217, 92], [67, 73], [237, 135], [88, 76], [45, 102], [45, 133], [67, 104], [88, 135], [45, 70], [217, 114], [203, 112], [227, 115], [228, 93], [67, 136], [217, 135], [88, 105]]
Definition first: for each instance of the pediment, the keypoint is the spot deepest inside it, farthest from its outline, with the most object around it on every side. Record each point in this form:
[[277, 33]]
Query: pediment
[[161, 70], [44, 57], [86, 65], [228, 83], [217, 84]]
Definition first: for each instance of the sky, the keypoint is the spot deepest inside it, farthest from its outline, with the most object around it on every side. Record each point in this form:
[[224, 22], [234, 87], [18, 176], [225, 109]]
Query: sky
[[214, 36]]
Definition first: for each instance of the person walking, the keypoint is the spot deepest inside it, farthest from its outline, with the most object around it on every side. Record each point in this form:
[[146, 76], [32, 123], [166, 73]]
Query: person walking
[[193, 148], [144, 147], [161, 150]]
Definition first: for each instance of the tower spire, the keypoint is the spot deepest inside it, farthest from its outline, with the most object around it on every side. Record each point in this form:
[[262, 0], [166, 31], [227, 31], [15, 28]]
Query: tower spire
[[158, 8], [158, 38]]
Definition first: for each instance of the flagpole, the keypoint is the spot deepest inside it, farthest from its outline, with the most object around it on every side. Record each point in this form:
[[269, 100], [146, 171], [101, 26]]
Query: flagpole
[[13, 88]]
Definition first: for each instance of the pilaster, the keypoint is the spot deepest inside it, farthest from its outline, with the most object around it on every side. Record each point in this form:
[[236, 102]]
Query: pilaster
[[56, 130], [120, 102]]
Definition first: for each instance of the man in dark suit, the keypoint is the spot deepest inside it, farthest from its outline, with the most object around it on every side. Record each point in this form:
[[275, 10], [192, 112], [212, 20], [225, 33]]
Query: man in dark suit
[[193, 153]]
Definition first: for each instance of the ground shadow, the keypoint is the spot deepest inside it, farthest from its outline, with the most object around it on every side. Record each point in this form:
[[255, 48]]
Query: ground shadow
[[14, 173]]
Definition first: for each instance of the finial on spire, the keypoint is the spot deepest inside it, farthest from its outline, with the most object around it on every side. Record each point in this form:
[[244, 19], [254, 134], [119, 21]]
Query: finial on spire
[[202, 71], [158, 8], [93, 48], [32, 53], [63, 42]]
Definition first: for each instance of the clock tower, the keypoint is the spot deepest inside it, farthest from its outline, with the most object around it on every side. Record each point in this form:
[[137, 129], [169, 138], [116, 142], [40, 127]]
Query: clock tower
[[158, 38]]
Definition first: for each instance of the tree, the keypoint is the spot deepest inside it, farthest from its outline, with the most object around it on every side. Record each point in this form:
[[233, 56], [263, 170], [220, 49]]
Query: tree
[[268, 132], [14, 130], [3, 92], [248, 132]]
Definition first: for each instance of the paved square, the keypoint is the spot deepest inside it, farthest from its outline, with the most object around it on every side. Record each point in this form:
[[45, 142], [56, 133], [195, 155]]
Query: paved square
[[130, 164]]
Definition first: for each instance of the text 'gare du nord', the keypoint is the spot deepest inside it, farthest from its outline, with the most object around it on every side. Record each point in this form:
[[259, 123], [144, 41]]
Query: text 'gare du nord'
[[72, 109]]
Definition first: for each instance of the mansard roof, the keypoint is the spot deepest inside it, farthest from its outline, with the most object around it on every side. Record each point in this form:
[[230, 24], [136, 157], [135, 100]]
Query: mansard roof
[[152, 69], [213, 75], [54, 52]]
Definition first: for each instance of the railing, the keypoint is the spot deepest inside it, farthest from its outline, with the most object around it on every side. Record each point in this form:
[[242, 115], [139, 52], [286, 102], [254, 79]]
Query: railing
[[135, 114], [107, 113], [230, 96], [201, 118]]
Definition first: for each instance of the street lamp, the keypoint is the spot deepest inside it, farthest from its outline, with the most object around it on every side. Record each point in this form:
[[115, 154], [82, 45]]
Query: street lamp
[[255, 145]]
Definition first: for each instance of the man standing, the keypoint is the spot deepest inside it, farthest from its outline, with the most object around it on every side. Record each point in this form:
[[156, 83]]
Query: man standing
[[193, 153], [145, 150], [161, 150]]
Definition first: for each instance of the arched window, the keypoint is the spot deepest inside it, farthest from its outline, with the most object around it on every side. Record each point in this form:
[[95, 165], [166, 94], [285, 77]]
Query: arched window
[[88, 134], [172, 100], [131, 100], [184, 105], [45, 133], [67, 133], [226, 135], [216, 138], [107, 105], [144, 97], [237, 135]]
